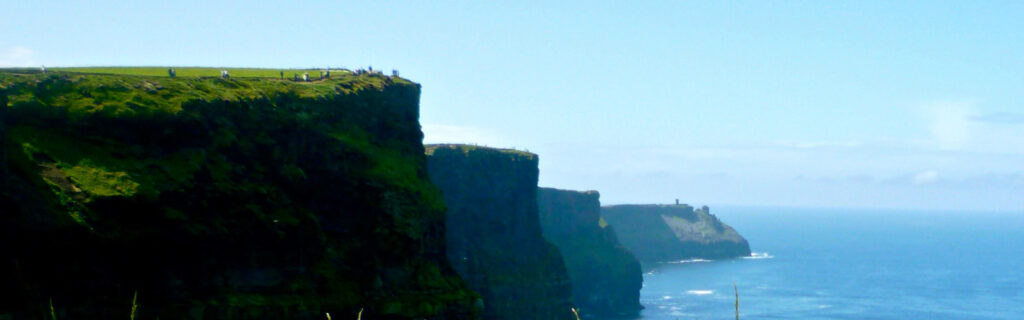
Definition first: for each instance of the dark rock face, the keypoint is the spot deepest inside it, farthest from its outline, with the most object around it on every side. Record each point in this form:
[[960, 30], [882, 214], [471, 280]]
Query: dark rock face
[[659, 233], [494, 235], [244, 199], [3, 138], [606, 277]]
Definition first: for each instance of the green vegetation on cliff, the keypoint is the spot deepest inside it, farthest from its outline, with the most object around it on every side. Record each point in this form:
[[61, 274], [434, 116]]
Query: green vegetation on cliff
[[493, 232], [133, 96], [201, 72], [606, 277], [237, 198], [660, 233]]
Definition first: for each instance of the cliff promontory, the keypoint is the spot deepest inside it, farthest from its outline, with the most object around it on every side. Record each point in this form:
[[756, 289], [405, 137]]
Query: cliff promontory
[[209, 198], [659, 233], [606, 277], [493, 231]]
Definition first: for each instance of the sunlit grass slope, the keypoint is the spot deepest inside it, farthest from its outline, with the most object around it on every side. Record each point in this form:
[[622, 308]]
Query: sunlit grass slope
[[138, 90], [199, 71]]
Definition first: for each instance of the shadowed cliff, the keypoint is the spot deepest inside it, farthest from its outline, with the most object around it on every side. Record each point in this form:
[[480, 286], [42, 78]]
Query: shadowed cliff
[[493, 232], [219, 199], [660, 233], [606, 277]]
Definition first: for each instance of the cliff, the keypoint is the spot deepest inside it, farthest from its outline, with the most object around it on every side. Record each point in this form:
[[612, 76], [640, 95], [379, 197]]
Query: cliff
[[493, 234], [606, 278], [659, 233], [219, 199]]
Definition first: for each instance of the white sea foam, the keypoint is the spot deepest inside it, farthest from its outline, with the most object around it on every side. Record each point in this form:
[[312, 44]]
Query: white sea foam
[[667, 297], [700, 292], [759, 255], [691, 261]]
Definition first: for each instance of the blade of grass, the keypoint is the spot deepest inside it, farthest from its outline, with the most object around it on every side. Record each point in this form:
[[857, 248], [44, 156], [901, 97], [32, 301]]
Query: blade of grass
[[737, 300], [135, 306]]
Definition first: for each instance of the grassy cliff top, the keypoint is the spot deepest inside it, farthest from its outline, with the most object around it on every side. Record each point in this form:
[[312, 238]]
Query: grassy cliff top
[[466, 149], [572, 192], [668, 207], [688, 223], [135, 90], [193, 72]]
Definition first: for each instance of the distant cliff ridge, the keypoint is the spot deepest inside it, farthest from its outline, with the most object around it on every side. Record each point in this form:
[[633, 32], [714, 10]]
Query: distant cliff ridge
[[606, 277], [660, 233], [493, 232], [219, 199]]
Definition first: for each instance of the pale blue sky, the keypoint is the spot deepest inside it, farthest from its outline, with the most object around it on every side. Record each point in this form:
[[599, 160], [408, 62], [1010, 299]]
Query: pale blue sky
[[818, 103]]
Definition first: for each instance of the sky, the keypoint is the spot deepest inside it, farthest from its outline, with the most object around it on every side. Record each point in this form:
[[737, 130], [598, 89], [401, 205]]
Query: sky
[[860, 104]]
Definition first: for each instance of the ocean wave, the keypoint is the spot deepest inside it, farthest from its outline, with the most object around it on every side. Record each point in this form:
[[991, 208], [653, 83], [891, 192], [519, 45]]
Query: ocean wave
[[759, 255], [700, 292], [690, 261]]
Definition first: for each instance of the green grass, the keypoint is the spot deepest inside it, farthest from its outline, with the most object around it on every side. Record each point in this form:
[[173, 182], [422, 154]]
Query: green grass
[[195, 72], [101, 169], [141, 91], [135, 305], [100, 182], [466, 148]]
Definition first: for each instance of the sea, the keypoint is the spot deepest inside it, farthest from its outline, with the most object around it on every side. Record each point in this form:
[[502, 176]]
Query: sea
[[851, 264]]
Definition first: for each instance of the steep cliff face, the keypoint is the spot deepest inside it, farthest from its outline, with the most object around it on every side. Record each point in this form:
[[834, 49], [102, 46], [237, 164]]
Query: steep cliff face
[[3, 138], [606, 278], [219, 199], [658, 233], [493, 232]]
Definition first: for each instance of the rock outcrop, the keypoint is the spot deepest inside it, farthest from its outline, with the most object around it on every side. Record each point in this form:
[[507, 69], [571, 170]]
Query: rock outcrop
[[493, 231], [219, 199], [606, 278], [660, 233]]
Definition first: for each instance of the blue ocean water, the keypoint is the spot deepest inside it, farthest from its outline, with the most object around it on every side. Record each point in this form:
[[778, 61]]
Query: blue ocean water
[[852, 264]]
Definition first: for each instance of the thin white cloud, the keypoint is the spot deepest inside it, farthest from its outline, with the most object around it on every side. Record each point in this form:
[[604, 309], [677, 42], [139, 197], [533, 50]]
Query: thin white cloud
[[964, 127], [950, 124], [17, 57], [926, 177], [818, 144], [1000, 118]]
